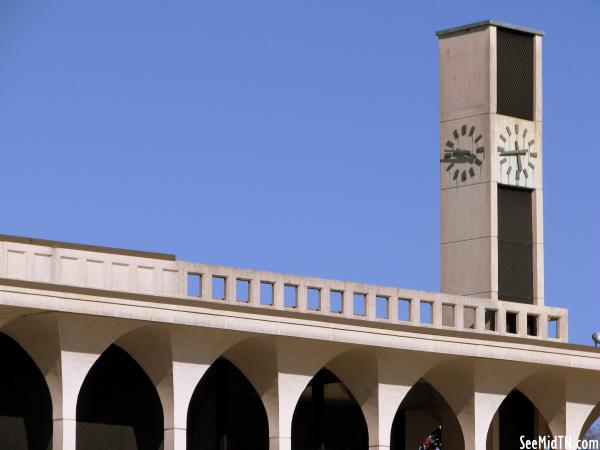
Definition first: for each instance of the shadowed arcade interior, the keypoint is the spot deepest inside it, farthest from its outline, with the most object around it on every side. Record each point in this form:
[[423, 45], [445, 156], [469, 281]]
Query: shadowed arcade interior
[[226, 412], [25, 403], [328, 417], [118, 406], [420, 413], [516, 417]]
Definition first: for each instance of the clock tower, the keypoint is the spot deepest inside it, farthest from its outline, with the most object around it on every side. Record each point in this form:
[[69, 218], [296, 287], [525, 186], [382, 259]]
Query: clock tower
[[491, 162]]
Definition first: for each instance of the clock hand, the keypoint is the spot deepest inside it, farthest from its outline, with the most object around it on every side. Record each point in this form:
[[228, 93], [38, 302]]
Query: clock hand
[[467, 155], [470, 156], [459, 159], [451, 155], [513, 153], [463, 152], [448, 158], [458, 155]]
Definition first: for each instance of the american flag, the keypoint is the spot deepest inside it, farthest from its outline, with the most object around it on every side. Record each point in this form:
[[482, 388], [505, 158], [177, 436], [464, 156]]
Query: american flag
[[433, 441]]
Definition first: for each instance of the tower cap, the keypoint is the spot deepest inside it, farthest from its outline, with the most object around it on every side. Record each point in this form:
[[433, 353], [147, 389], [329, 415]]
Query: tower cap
[[483, 24]]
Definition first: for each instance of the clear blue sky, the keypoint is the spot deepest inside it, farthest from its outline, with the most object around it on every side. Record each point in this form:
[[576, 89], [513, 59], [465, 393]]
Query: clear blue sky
[[293, 136]]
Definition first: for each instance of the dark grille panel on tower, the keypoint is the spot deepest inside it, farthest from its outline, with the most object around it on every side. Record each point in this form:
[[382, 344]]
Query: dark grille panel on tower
[[515, 245], [515, 82]]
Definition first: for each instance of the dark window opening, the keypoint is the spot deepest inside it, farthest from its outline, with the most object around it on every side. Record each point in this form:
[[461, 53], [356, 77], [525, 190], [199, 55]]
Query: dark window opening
[[511, 322], [490, 320], [532, 325]]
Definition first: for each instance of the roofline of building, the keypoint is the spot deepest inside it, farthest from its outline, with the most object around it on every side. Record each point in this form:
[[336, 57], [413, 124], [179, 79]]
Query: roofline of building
[[484, 24], [87, 248]]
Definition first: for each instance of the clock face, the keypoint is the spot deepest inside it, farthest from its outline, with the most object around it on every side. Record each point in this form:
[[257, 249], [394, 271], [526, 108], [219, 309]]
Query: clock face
[[517, 157], [463, 154]]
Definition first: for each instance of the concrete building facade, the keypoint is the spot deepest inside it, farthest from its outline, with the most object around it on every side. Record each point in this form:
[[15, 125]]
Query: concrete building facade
[[109, 348]]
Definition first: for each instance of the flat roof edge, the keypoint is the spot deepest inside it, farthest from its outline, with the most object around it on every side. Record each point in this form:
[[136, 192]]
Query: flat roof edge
[[88, 248], [485, 23]]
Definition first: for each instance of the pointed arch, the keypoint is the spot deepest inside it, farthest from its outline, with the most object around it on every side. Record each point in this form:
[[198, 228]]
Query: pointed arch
[[150, 347], [516, 417], [280, 368], [328, 415], [226, 412], [422, 411], [118, 405], [25, 402]]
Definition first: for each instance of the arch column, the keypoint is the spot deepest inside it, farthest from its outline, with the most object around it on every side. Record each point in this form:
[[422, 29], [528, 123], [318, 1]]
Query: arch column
[[280, 369], [474, 389], [82, 340], [71, 371], [64, 347], [493, 380], [582, 398], [45, 350], [297, 364], [565, 400], [379, 382], [193, 351], [257, 359], [547, 390], [455, 381], [150, 346]]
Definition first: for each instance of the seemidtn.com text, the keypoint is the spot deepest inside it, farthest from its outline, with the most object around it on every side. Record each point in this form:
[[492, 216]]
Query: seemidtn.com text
[[558, 443]]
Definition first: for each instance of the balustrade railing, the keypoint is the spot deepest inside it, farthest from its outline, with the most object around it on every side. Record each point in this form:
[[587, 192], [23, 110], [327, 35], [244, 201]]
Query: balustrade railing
[[163, 275]]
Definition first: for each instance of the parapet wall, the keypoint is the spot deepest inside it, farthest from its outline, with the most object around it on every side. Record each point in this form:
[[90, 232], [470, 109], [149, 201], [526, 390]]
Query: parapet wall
[[161, 275]]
